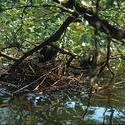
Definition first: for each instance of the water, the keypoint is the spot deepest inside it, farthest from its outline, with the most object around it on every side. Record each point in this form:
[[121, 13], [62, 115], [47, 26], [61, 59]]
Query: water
[[62, 108]]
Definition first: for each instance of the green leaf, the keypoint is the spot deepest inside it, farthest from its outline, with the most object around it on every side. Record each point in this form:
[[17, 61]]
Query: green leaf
[[122, 57], [109, 3], [84, 38], [1, 100]]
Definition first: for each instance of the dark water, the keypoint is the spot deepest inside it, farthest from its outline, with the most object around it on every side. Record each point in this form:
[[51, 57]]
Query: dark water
[[64, 108]]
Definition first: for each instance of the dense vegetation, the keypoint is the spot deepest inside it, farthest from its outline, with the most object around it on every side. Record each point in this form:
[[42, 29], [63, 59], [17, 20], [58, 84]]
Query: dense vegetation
[[67, 50], [88, 34]]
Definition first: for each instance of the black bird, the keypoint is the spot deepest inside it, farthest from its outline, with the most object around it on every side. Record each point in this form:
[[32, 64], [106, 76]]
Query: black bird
[[47, 53], [87, 62]]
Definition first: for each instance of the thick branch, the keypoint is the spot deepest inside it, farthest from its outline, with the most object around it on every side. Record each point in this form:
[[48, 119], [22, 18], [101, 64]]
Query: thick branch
[[56, 36], [101, 24], [63, 51], [105, 27], [98, 23]]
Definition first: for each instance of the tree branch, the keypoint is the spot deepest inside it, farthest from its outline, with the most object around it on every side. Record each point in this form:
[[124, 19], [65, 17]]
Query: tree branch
[[98, 23], [55, 37], [8, 57]]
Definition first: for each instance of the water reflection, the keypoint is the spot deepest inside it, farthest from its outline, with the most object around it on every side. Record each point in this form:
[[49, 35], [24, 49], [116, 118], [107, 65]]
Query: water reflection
[[70, 104], [62, 109]]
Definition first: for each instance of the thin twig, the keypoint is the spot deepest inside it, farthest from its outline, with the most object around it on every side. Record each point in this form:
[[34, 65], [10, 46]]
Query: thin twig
[[8, 57]]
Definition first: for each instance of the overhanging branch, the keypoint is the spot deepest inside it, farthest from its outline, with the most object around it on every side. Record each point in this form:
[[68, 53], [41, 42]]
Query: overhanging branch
[[95, 21], [55, 37]]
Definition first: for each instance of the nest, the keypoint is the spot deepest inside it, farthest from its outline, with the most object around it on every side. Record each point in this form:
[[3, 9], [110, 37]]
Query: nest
[[42, 77]]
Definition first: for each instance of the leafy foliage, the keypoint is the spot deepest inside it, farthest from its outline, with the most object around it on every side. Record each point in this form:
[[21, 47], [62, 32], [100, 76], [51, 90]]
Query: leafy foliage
[[25, 24]]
